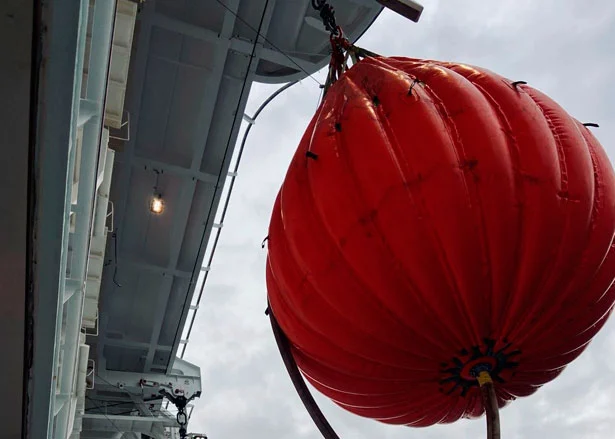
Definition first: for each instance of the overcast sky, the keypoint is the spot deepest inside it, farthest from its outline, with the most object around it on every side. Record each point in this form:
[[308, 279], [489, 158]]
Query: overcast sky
[[565, 48]]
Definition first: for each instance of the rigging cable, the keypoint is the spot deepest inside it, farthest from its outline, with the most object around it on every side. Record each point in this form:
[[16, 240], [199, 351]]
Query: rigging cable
[[228, 198], [259, 34]]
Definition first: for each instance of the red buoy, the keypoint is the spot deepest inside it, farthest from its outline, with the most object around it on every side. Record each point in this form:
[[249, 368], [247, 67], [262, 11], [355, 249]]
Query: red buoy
[[440, 224]]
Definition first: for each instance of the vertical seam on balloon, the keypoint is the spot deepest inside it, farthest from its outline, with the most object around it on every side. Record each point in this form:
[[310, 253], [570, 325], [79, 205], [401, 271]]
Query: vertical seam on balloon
[[394, 148], [454, 137], [565, 293], [496, 312], [473, 195], [597, 199], [382, 239], [389, 137], [598, 182], [499, 312], [386, 311], [513, 151], [549, 269], [395, 152], [597, 195], [485, 246]]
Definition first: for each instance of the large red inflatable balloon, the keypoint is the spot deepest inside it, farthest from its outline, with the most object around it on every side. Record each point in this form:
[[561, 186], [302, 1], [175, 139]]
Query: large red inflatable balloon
[[437, 221]]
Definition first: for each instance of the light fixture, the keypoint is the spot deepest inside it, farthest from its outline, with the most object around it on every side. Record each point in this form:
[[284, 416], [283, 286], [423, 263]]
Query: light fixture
[[156, 205]]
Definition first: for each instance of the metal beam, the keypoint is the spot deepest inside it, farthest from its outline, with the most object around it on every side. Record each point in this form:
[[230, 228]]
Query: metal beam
[[57, 39], [274, 56], [288, 61], [208, 103], [191, 30], [122, 343], [185, 379], [118, 419], [103, 22], [158, 318], [240, 45], [154, 268], [205, 70], [136, 87], [170, 169]]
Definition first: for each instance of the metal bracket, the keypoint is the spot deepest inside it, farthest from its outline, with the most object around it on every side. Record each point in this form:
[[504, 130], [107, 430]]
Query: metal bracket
[[406, 8], [249, 119], [180, 401]]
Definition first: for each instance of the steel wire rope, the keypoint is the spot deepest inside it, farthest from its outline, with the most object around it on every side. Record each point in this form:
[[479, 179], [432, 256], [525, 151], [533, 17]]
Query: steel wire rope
[[228, 198]]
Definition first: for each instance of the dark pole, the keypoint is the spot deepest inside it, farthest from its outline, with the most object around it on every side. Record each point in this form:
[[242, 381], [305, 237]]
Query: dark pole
[[490, 401]]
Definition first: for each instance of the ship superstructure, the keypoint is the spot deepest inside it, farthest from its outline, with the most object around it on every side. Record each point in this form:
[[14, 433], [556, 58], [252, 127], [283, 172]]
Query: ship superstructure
[[133, 115]]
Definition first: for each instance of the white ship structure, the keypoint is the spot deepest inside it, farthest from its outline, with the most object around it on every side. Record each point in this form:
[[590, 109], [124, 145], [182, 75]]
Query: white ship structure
[[120, 124]]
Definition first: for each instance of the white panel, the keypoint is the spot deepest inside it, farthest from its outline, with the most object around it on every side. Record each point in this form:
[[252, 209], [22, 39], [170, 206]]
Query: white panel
[[120, 62]]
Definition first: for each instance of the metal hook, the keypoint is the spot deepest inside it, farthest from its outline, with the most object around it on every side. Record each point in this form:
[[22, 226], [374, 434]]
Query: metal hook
[[327, 14]]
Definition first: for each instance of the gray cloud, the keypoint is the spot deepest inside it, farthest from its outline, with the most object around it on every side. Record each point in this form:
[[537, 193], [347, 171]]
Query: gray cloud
[[565, 48]]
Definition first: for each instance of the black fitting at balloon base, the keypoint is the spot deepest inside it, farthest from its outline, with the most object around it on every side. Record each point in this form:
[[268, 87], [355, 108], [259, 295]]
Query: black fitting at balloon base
[[479, 368], [463, 370]]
